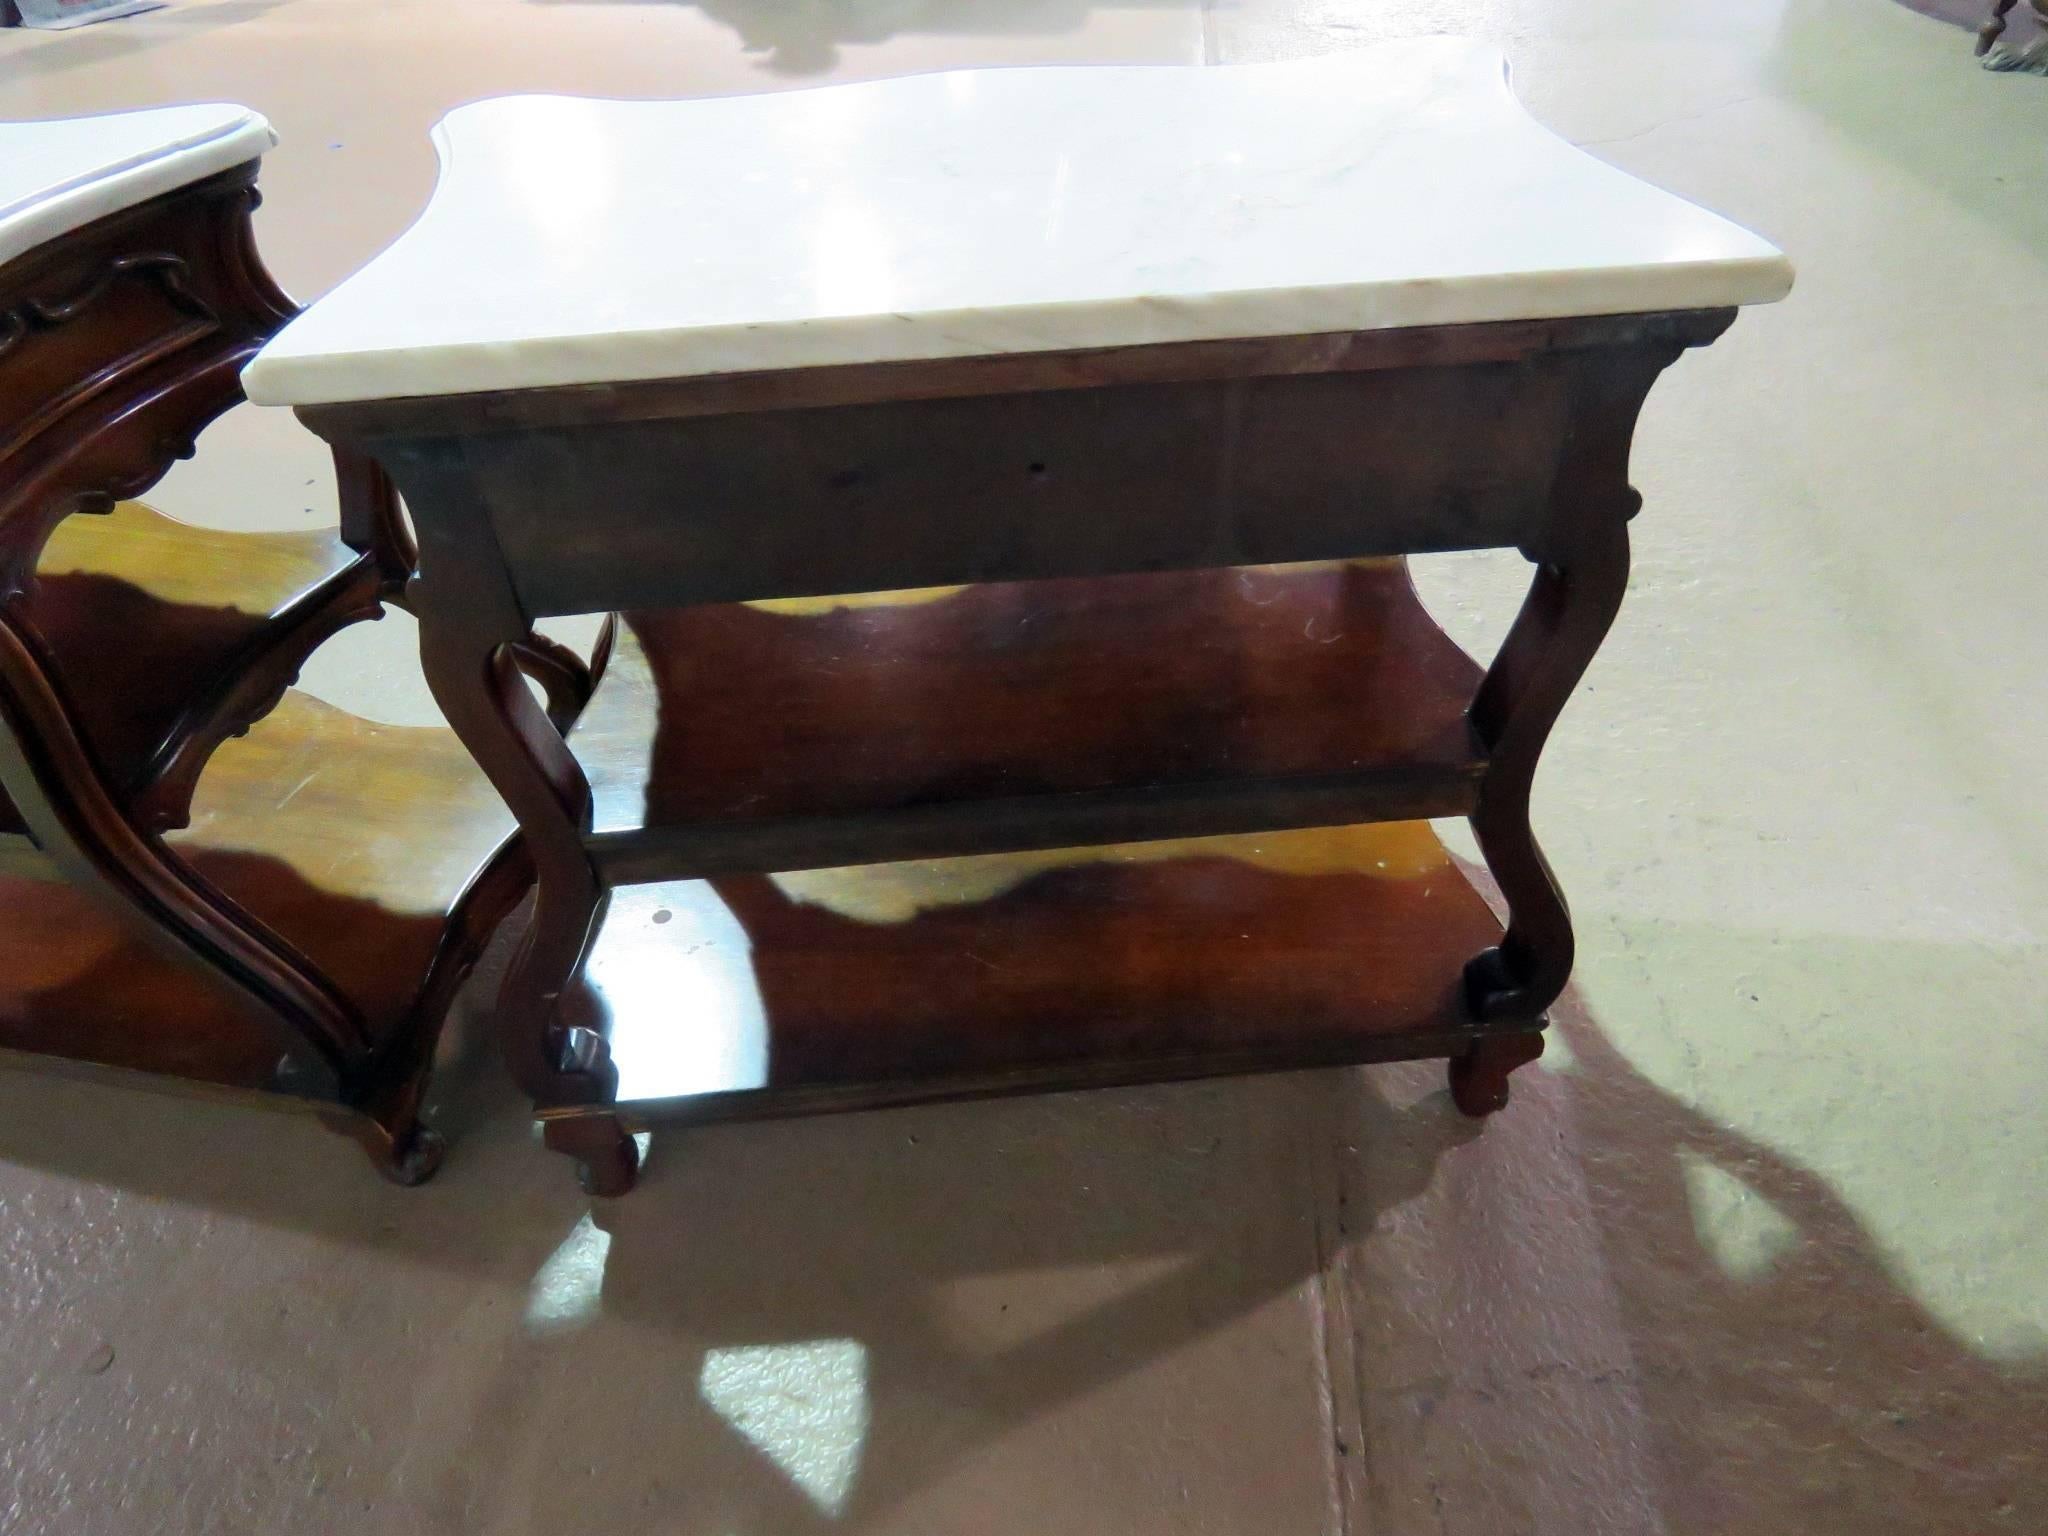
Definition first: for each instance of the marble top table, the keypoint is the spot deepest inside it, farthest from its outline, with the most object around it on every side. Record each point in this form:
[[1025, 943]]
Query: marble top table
[[1090, 351], [60, 175], [997, 211], [205, 878]]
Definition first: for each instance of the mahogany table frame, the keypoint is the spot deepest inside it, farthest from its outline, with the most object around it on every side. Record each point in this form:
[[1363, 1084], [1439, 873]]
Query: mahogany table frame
[[1020, 467], [120, 342]]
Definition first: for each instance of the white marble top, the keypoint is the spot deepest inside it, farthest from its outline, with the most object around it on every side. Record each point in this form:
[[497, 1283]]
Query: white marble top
[[997, 211], [56, 176]]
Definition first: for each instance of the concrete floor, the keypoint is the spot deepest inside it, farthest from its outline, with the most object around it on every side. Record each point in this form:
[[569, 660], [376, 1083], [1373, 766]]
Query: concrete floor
[[1759, 1250]]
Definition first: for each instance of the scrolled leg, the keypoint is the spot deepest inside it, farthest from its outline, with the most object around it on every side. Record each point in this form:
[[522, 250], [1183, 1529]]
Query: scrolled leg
[[476, 679], [1569, 609], [1580, 548]]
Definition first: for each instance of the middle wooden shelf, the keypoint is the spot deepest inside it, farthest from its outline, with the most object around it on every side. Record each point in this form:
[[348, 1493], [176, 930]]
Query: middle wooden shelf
[[820, 732]]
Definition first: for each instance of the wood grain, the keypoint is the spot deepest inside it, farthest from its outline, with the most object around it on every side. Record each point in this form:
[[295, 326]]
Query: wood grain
[[755, 996], [956, 721], [303, 938], [353, 839], [1109, 672]]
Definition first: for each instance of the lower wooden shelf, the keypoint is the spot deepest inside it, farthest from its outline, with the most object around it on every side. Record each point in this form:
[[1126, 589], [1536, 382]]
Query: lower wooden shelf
[[856, 740], [358, 843], [885, 984]]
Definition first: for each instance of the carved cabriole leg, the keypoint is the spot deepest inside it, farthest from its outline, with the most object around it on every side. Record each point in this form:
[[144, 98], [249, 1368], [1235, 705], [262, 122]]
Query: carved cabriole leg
[[1582, 559], [472, 633], [1567, 613], [128, 338], [121, 343], [477, 682]]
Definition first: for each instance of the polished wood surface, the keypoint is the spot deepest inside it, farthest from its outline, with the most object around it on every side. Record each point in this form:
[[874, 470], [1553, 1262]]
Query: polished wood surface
[[354, 839], [1136, 700], [395, 822], [170, 637], [760, 995], [84, 986], [1034, 485], [368, 863], [1110, 673], [303, 935], [119, 343]]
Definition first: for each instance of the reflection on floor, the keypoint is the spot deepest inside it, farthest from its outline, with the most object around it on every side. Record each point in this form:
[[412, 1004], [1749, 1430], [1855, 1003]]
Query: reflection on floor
[[1756, 1251]]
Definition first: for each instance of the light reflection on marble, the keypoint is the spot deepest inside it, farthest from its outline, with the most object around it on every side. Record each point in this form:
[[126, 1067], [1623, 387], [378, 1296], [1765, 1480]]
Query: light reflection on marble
[[998, 211], [60, 175]]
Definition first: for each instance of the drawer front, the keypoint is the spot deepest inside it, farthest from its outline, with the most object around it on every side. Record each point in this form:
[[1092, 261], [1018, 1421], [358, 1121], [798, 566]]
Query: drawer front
[[1007, 487]]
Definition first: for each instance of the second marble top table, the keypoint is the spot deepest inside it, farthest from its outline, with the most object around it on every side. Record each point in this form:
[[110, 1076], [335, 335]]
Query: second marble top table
[[56, 176], [1084, 346]]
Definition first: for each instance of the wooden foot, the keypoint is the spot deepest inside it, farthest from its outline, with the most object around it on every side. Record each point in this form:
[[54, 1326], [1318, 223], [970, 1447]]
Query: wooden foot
[[607, 1156], [407, 1155], [1479, 1075], [416, 1159], [1993, 29]]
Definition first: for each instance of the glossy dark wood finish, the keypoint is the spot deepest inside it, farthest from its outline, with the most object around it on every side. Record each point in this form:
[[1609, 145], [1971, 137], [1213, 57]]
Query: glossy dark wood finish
[[1064, 699], [118, 345], [302, 936], [1167, 476], [169, 637], [1060, 968], [391, 830], [952, 720]]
